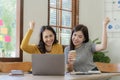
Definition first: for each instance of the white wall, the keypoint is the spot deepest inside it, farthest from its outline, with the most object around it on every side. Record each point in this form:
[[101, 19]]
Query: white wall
[[92, 14], [36, 10]]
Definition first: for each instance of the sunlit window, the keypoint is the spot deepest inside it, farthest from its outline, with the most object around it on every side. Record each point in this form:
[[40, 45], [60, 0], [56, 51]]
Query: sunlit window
[[63, 16], [9, 28]]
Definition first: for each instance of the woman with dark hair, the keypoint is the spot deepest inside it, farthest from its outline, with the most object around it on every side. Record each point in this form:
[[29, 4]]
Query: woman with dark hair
[[79, 41], [47, 43]]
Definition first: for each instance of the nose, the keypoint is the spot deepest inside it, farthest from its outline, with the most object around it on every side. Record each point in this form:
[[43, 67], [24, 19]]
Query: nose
[[76, 37], [48, 38]]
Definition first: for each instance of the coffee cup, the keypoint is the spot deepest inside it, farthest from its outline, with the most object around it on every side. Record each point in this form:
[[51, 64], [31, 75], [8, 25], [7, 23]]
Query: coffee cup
[[73, 53]]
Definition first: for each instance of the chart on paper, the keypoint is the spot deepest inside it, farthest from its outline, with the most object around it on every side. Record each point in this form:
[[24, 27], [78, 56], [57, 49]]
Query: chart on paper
[[112, 10]]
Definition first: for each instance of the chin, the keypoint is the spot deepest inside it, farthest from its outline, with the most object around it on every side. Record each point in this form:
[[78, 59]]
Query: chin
[[76, 44], [49, 44]]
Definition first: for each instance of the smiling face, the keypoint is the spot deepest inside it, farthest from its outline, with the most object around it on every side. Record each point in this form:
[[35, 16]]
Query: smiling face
[[48, 37], [77, 38]]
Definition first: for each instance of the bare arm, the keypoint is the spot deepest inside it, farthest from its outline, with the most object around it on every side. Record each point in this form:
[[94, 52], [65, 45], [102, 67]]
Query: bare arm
[[103, 44]]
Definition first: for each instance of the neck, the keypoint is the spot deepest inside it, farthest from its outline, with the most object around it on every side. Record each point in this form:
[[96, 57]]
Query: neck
[[48, 48], [78, 46]]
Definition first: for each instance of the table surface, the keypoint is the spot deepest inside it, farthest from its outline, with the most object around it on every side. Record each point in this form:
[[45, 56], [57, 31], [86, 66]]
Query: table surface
[[6, 76]]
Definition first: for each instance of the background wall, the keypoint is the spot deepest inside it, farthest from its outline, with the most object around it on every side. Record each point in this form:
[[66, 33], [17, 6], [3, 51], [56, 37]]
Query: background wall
[[91, 14], [36, 10]]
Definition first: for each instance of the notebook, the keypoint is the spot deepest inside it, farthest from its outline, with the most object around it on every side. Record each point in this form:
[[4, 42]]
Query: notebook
[[85, 73], [48, 64], [93, 71]]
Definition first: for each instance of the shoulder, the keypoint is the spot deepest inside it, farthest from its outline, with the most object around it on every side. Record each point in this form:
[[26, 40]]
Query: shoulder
[[67, 48], [88, 44], [57, 45], [57, 48]]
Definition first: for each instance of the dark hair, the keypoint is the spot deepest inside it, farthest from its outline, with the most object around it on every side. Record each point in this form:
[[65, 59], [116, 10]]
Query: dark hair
[[84, 30], [41, 45]]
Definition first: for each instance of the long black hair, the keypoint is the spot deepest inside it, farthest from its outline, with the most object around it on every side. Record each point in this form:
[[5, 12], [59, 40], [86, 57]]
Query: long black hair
[[84, 30], [41, 45]]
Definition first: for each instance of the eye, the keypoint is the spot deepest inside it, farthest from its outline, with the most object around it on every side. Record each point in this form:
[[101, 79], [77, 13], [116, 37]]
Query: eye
[[80, 36], [74, 34], [51, 35], [46, 36]]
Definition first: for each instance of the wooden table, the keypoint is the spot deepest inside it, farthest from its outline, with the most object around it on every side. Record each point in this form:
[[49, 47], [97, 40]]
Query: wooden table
[[66, 77]]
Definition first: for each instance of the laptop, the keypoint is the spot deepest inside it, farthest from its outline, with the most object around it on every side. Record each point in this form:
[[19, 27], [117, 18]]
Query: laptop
[[48, 64]]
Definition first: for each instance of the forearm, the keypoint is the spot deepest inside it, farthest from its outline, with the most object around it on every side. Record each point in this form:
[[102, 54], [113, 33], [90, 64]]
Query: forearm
[[26, 39]]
